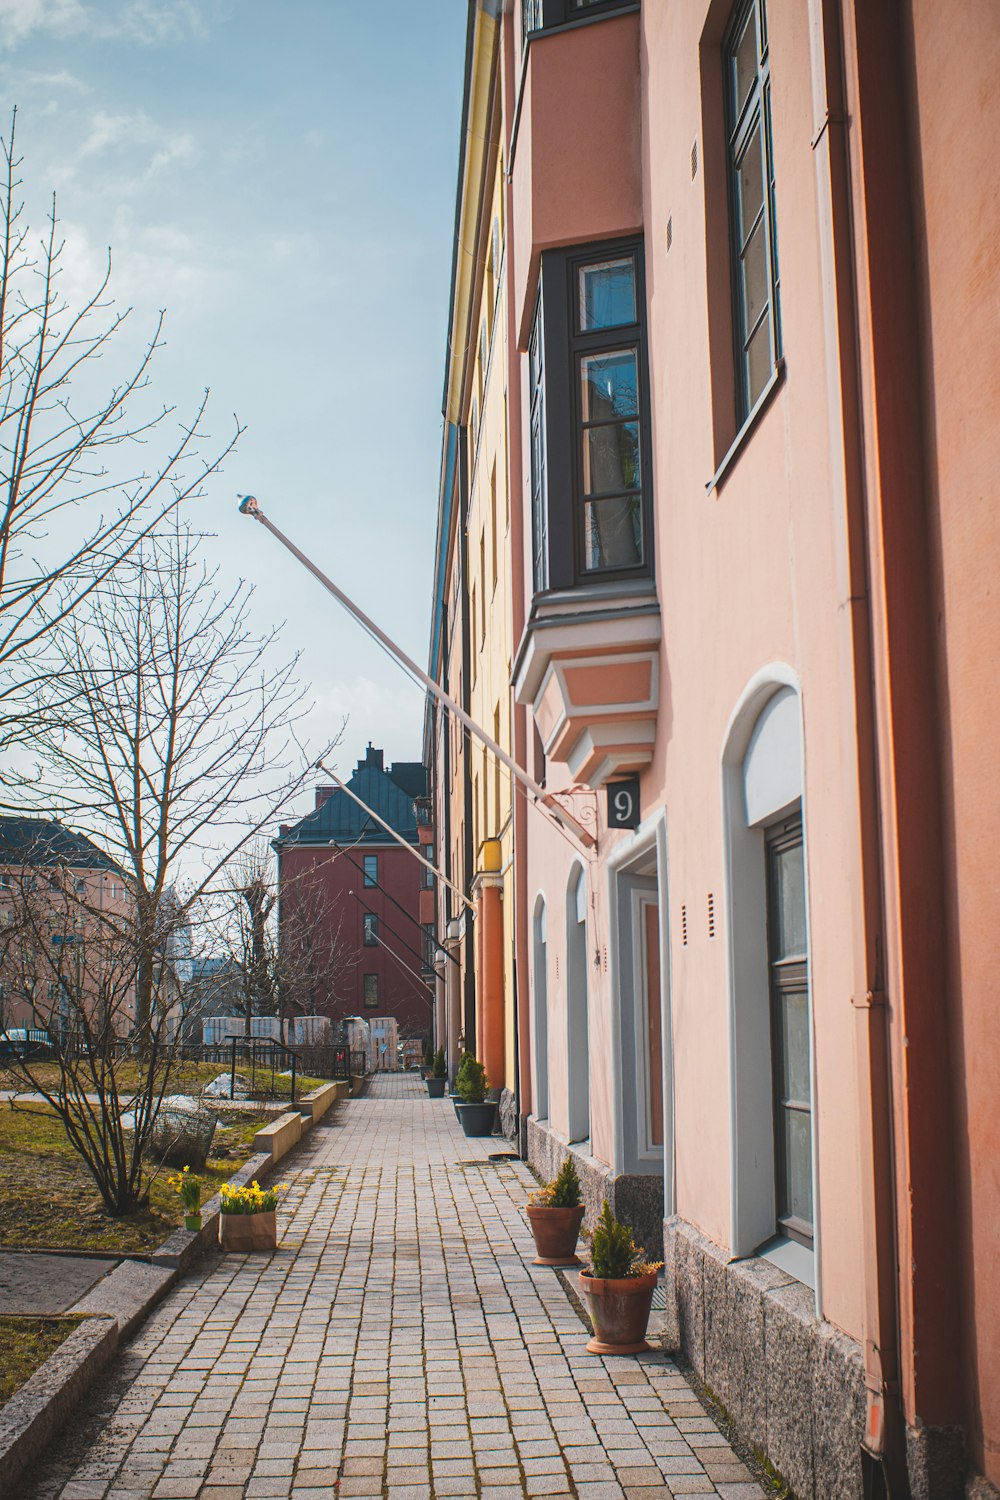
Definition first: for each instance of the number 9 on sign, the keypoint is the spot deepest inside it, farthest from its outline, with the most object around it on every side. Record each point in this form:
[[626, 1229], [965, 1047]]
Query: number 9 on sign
[[623, 803]]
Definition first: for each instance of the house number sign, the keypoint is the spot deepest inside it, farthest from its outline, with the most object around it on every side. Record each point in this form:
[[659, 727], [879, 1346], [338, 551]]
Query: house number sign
[[623, 803]]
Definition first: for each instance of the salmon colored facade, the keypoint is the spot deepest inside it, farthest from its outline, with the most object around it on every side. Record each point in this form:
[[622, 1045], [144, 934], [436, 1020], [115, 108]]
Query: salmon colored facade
[[752, 382]]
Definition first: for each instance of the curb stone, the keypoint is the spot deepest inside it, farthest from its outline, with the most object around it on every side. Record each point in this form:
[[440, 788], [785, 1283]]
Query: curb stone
[[35, 1413], [114, 1308]]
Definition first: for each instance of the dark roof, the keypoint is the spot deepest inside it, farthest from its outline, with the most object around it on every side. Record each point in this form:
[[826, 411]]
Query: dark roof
[[42, 842], [391, 794], [411, 775]]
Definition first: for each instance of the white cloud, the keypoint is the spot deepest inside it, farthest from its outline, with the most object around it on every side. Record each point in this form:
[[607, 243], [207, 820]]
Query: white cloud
[[113, 130], [177, 150], [146, 22], [37, 78], [126, 136], [19, 19]]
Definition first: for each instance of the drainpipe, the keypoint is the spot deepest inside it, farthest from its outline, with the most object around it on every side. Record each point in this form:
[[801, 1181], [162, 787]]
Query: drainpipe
[[884, 1444]]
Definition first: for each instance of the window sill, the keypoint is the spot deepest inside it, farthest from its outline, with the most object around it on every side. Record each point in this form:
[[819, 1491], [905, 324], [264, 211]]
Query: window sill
[[756, 412], [792, 1258]]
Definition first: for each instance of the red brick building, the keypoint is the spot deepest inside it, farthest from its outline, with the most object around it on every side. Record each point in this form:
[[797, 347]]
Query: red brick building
[[350, 897]]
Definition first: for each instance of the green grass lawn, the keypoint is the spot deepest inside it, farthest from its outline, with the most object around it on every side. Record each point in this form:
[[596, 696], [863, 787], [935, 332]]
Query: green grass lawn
[[25, 1344], [51, 1202], [185, 1078]]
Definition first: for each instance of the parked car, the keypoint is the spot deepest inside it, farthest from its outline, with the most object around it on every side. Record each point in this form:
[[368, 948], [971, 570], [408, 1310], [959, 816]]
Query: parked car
[[22, 1041]]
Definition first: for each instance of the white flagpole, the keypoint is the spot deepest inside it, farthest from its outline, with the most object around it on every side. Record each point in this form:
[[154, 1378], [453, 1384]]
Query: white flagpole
[[392, 832], [249, 506]]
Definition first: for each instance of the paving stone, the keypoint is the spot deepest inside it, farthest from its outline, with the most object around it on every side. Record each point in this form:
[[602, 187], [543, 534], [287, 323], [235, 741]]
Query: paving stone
[[348, 1365]]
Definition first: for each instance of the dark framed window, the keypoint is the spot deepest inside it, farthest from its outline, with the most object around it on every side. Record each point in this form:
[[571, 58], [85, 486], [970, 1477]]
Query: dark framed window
[[371, 869], [788, 961], [370, 933], [588, 368], [371, 990], [753, 224], [539, 493]]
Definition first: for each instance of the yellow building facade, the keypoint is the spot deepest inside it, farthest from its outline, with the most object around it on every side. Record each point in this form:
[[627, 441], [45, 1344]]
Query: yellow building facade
[[471, 643]]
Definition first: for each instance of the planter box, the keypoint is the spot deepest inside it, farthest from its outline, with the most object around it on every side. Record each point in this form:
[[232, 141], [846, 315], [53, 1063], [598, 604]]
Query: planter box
[[248, 1232], [435, 1087], [619, 1311], [477, 1119]]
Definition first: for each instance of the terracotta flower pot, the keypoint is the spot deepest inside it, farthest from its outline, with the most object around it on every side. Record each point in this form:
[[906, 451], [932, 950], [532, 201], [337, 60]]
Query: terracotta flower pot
[[556, 1231], [246, 1232], [435, 1087], [619, 1311]]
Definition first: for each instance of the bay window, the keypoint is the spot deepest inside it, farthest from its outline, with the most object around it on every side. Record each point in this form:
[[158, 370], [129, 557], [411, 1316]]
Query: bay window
[[589, 407]]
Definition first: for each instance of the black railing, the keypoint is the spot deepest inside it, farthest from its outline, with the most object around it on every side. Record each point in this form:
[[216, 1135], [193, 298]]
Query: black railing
[[272, 1068], [339, 1062]]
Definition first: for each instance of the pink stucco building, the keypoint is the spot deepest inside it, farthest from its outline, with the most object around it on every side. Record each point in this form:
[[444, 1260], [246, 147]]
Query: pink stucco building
[[752, 361]]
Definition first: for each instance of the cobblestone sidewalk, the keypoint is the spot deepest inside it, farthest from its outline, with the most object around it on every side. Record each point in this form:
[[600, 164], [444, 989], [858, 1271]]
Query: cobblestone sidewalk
[[399, 1344]]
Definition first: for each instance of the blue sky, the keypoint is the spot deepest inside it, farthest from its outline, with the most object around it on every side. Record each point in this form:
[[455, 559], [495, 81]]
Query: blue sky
[[281, 179]]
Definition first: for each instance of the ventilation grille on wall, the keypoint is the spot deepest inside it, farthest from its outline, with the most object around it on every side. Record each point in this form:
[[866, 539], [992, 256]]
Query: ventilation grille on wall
[[694, 161], [684, 926], [670, 233], [711, 915]]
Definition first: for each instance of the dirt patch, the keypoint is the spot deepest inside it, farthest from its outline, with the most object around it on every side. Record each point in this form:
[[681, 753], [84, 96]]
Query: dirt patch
[[50, 1201], [25, 1345]]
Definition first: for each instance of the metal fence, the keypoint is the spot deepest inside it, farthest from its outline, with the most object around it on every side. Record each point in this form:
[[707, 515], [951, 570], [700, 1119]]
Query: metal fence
[[269, 1069]]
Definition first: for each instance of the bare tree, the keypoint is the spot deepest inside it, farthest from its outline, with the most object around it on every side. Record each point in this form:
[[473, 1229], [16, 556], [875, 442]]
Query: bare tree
[[298, 968], [167, 729], [77, 490], [67, 964]]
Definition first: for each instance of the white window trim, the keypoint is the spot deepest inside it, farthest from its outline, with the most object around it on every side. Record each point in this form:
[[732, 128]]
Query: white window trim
[[650, 837], [749, 1224]]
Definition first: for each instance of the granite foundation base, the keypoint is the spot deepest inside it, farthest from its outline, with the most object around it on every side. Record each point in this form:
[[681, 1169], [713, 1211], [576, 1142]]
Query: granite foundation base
[[935, 1462], [637, 1201], [793, 1385], [978, 1488]]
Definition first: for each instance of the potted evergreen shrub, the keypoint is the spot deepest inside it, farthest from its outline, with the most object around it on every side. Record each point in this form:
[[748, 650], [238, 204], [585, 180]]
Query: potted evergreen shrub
[[476, 1114], [555, 1213], [439, 1076], [618, 1288]]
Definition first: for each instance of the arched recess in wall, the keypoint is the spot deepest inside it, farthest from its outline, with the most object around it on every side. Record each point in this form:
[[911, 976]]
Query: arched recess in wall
[[540, 996], [770, 1023], [577, 1008]]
